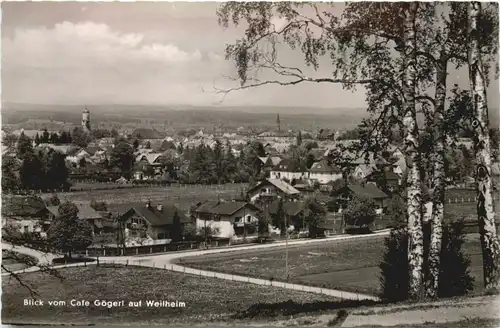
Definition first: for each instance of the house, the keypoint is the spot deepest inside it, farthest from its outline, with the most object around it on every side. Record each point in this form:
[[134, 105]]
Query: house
[[324, 172], [150, 222], [327, 134], [270, 150], [362, 171], [64, 149], [385, 179], [85, 212], [272, 188], [288, 170], [25, 214], [368, 190], [294, 212], [148, 166], [231, 218], [269, 161]]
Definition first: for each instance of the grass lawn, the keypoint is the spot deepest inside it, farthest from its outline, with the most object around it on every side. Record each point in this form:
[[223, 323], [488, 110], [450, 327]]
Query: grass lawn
[[183, 197], [205, 298], [347, 265]]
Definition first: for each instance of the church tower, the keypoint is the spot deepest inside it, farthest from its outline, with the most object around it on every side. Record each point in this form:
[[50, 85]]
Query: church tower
[[86, 120], [278, 124]]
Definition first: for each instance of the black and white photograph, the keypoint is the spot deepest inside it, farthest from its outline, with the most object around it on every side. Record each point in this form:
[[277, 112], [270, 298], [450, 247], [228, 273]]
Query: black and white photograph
[[250, 164]]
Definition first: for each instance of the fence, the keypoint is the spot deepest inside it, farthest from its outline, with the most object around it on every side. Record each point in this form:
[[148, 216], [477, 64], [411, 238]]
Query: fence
[[90, 185], [466, 199], [210, 274], [152, 249]]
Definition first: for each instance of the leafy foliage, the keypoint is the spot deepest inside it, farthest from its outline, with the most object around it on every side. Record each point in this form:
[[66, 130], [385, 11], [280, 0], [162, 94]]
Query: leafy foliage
[[10, 178], [360, 212], [67, 232], [24, 146], [80, 138], [454, 276], [122, 157], [314, 215], [44, 171], [54, 200], [176, 233], [99, 205], [279, 218]]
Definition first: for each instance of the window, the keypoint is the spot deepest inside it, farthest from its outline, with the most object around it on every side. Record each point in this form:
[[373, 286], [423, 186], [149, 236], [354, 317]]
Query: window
[[161, 236], [249, 217], [237, 219], [264, 190], [26, 229]]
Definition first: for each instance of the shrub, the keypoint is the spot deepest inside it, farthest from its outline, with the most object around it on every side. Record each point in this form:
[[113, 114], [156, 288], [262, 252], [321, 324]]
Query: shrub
[[394, 267], [454, 278]]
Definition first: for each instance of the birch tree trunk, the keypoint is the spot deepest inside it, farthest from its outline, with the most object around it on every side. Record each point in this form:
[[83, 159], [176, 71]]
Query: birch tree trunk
[[415, 240], [486, 215], [438, 179]]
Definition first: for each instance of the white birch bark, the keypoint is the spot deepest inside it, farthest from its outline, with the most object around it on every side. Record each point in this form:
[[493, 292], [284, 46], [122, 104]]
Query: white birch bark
[[486, 215], [438, 178], [415, 240]]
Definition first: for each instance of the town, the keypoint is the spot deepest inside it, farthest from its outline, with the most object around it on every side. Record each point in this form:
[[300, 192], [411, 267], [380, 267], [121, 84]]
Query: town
[[293, 174], [271, 201]]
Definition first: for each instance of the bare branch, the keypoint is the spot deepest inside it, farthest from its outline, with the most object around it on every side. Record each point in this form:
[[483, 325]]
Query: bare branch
[[16, 277], [287, 83]]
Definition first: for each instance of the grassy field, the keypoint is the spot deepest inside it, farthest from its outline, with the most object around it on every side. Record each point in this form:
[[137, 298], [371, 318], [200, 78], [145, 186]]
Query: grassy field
[[183, 196], [205, 298], [350, 265]]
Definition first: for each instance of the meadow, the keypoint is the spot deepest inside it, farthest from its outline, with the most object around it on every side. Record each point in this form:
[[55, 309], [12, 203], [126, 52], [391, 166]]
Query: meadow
[[346, 265], [183, 196], [206, 299]]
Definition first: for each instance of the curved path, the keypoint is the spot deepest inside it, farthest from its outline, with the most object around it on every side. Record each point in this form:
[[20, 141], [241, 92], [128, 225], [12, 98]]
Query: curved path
[[166, 261]]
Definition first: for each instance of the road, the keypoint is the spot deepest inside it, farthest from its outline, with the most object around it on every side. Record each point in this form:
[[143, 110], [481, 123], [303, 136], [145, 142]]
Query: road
[[43, 258], [166, 261]]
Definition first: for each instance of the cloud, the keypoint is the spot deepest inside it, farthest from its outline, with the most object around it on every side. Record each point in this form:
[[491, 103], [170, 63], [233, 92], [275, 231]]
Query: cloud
[[91, 60], [69, 44]]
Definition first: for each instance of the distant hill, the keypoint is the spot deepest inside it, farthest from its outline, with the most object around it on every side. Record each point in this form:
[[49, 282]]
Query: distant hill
[[183, 115], [180, 116]]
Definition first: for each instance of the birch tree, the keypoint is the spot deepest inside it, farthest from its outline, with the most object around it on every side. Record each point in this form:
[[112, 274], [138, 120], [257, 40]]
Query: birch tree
[[415, 242], [365, 45], [478, 76]]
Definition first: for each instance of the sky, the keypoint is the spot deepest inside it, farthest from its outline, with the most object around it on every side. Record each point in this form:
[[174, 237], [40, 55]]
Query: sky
[[140, 53]]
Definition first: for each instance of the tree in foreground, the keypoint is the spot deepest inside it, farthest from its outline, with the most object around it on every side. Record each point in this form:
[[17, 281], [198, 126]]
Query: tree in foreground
[[316, 32], [67, 232], [478, 74]]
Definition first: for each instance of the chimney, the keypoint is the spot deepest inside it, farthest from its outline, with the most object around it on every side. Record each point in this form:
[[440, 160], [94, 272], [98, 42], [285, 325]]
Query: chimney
[[148, 203], [159, 207]]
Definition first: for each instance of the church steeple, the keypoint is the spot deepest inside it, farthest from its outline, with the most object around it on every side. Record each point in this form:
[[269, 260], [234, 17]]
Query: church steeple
[[86, 120], [278, 124]]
